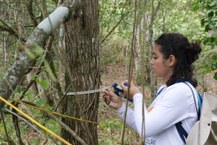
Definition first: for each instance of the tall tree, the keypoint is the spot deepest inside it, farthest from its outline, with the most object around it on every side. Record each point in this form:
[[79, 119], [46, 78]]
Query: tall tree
[[30, 51], [82, 71]]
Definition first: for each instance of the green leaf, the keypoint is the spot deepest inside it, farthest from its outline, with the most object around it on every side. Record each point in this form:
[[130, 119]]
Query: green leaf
[[39, 102], [213, 3], [34, 51], [215, 76], [19, 89], [38, 50], [202, 22], [195, 7], [43, 83], [49, 70], [30, 53], [207, 28], [210, 13]]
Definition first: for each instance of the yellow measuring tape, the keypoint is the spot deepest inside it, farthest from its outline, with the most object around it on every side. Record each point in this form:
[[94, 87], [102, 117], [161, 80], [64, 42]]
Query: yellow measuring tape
[[59, 114], [55, 113], [35, 122]]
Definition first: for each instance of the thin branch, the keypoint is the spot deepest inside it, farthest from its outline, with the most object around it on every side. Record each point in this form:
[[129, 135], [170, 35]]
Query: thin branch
[[122, 18], [156, 9], [50, 60], [5, 128], [38, 71], [64, 126], [61, 99], [67, 128], [27, 122], [31, 14], [17, 128], [130, 71], [10, 30]]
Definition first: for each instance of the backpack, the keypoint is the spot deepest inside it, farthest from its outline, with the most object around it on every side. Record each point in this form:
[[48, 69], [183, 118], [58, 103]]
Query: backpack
[[180, 129], [204, 131]]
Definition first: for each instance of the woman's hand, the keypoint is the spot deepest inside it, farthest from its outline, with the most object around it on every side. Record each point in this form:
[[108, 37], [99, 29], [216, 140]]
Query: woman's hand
[[133, 89], [112, 99]]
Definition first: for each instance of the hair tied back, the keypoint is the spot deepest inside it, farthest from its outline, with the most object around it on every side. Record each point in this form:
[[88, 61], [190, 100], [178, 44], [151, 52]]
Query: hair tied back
[[192, 52]]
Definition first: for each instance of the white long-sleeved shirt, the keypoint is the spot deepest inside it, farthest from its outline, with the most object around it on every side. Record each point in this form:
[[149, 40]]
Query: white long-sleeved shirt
[[174, 104]]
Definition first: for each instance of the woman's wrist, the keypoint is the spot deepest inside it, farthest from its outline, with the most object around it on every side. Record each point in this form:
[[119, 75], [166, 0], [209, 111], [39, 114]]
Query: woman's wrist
[[121, 107], [137, 97], [118, 105]]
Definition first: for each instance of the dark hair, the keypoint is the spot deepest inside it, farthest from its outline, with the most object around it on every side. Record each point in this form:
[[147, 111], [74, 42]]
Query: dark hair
[[185, 53]]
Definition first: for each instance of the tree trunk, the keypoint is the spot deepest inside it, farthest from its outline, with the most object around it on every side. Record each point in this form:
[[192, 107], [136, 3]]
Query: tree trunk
[[82, 72], [145, 33]]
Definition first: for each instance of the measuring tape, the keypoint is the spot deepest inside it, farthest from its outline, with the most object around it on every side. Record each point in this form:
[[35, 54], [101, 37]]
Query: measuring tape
[[86, 92]]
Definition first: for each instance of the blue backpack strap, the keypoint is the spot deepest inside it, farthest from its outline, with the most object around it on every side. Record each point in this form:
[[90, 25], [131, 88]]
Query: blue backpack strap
[[182, 133], [200, 100], [160, 91]]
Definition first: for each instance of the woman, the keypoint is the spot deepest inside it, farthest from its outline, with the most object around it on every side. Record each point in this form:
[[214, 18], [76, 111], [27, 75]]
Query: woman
[[176, 104]]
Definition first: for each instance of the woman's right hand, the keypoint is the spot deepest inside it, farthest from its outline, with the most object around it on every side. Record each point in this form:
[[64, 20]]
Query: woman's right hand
[[112, 99]]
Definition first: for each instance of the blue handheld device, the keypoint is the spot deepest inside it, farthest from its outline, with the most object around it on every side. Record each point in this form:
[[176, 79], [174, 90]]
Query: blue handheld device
[[119, 91]]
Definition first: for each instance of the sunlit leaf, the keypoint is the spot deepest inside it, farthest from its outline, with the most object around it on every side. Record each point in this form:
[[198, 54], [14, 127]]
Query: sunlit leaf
[[49, 70], [43, 83]]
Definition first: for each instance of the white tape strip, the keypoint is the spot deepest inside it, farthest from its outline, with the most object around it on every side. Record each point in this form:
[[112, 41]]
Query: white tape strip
[[86, 92]]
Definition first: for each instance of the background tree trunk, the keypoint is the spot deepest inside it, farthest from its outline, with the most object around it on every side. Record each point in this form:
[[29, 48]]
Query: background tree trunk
[[146, 14], [82, 71]]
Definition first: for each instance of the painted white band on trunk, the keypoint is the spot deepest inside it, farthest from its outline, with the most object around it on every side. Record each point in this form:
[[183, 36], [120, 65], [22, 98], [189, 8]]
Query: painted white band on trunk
[[54, 20]]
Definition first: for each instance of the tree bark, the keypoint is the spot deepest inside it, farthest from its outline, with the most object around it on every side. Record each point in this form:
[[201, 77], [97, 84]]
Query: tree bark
[[82, 54]]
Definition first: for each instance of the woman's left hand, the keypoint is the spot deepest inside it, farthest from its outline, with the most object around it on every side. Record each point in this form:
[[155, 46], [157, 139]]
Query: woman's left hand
[[133, 89]]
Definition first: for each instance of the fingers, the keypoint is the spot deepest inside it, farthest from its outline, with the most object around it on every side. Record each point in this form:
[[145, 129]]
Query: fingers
[[111, 99], [124, 85], [131, 87], [106, 101], [124, 82], [107, 95]]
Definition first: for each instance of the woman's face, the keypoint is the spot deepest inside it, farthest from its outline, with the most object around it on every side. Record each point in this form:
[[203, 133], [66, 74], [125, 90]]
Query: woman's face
[[161, 67]]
